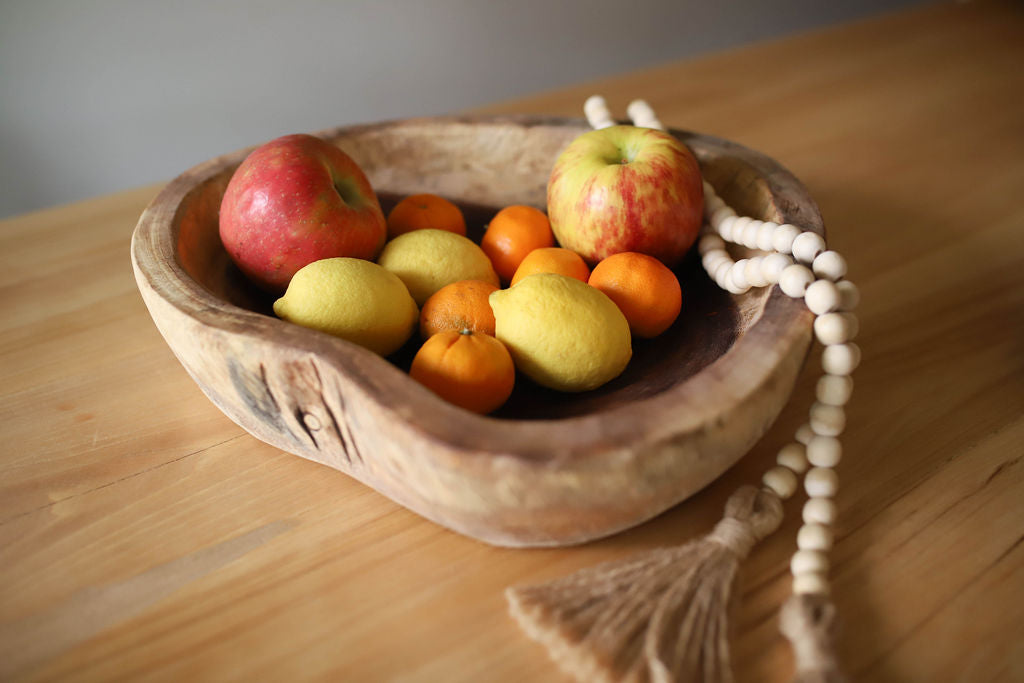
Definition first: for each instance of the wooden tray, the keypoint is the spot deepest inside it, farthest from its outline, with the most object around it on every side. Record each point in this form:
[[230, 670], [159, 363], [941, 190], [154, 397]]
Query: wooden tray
[[548, 468]]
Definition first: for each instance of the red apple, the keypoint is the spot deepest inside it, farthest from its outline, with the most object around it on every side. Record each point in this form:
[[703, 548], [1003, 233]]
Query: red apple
[[295, 200], [625, 188]]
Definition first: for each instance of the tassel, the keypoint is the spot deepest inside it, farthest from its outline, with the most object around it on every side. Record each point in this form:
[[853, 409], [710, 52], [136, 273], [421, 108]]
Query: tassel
[[810, 623], [661, 616]]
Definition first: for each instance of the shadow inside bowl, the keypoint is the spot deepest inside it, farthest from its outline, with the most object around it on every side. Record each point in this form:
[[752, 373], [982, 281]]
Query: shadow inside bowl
[[705, 329]]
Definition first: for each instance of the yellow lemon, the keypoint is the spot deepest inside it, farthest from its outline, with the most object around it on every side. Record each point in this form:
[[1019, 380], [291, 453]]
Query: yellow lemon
[[427, 260], [351, 298], [562, 333]]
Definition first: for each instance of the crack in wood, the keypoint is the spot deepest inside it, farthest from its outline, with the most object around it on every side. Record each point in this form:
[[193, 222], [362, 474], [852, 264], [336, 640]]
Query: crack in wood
[[999, 470], [345, 440], [300, 417], [141, 472], [330, 413], [346, 434]]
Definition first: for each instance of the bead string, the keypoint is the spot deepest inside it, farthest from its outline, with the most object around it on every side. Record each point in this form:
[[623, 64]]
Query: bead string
[[799, 262]]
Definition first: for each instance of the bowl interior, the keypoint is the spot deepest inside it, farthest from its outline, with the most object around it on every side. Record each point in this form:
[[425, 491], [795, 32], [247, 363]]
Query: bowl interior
[[483, 167]]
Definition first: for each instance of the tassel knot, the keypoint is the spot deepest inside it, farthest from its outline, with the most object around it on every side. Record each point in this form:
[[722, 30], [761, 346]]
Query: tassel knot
[[734, 535], [750, 515]]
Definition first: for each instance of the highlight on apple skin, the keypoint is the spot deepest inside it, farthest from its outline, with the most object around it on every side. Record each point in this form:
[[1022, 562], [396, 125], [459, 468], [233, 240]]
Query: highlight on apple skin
[[295, 200], [625, 188]]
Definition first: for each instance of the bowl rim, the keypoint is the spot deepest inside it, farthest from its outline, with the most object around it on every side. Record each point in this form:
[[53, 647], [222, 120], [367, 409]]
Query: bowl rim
[[156, 262]]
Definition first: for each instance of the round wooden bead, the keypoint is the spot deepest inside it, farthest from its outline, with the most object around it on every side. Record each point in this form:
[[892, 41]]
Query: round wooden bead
[[782, 240], [782, 481], [793, 456], [810, 584], [710, 255], [722, 275], [712, 267], [835, 390], [821, 296], [819, 511], [795, 279], [821, 482], [804, 433], [814, 537], [829, 265], [773, 265], [729, 281], [731, 287], [725, 228], [754, 233], [849, 295], [709, 241], [755, 273], [827, 420], [836, 328], [711, 259], [596, 110], [738, 274], [840, 359], [807, 246], [824, 451], [709, 189], [750, 230], [808, 562], [642, 115], [725, 266], [765, 235], [719, 214], [738, 226]]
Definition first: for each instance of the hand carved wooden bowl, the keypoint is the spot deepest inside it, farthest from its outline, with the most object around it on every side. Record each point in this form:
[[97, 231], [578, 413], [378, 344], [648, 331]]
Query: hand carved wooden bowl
[[548, 468]]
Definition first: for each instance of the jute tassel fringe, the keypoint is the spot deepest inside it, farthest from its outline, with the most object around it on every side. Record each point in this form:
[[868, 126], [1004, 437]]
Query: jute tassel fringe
[[661, 616]]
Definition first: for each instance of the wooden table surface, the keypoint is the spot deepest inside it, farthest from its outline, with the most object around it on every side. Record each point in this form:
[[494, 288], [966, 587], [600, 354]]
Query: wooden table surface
[[143, 534]]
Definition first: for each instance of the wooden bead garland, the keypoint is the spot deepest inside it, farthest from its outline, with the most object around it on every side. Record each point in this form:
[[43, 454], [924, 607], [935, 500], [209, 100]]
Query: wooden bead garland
[[832, 299], [663, 615]]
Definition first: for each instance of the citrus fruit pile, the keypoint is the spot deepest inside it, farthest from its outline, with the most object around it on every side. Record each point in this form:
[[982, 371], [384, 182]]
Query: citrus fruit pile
[[557, 297], [515, 302]]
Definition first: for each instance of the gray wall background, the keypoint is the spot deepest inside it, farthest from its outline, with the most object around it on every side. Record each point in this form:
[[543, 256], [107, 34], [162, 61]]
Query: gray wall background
[[102, 95]]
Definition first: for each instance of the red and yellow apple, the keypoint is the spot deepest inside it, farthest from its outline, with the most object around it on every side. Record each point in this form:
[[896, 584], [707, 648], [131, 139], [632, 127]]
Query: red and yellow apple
[[295, 200], [625, 188]]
